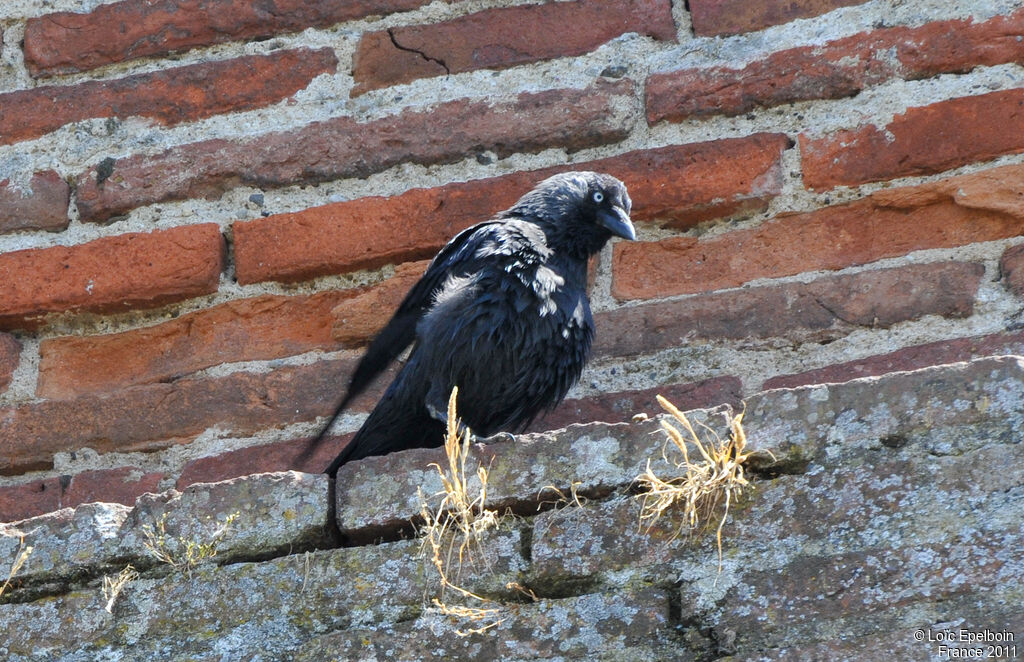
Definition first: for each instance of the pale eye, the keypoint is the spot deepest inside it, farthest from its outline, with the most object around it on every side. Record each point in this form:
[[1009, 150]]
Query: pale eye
[[598, 197]]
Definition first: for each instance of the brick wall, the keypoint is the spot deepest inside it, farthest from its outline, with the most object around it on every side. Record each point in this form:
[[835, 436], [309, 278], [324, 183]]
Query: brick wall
[[206, 209]]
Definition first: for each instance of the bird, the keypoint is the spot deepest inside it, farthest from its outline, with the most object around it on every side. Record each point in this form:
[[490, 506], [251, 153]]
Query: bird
[[501, 312]]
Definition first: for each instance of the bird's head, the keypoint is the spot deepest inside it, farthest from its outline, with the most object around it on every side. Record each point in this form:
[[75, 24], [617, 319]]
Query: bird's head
[[579, 211]]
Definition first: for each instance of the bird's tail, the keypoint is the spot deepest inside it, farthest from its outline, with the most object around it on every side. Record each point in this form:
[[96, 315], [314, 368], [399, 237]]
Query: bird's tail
[[315, 442]]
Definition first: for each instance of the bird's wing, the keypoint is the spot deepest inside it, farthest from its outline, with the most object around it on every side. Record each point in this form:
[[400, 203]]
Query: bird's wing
[[460, 256]]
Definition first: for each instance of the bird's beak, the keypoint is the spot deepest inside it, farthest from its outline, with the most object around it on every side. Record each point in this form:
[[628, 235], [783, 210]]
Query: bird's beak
[[617, 222]]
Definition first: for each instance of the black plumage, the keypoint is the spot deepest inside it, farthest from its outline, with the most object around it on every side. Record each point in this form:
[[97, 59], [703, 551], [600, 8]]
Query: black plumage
[[501, 312]]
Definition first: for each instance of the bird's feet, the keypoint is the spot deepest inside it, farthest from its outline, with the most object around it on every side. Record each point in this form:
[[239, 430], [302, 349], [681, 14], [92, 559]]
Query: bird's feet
[[494, 438], [442, 416]]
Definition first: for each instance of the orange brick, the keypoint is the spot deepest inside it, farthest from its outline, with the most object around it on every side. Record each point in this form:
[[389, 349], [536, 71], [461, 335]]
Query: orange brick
[[678, 186], [982, 206], [836, 69], [263, 327], [118, 273], [64, 42], [923, 140], [722, 17], [570, 119], [495, 39], [43, 205], [169, 96]]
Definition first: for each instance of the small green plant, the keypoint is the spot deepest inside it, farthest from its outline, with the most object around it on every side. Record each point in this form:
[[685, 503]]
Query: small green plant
[[698, 487], [112, 586], [183, 554], [19, 560]]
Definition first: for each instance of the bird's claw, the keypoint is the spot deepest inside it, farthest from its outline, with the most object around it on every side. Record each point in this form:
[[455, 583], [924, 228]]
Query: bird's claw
[[495, 438]]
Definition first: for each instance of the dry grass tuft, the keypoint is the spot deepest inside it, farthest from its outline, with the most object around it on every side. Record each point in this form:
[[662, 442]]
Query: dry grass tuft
[[19, 560], [183, 554], [112, 586], [704, 486], [454, 525]]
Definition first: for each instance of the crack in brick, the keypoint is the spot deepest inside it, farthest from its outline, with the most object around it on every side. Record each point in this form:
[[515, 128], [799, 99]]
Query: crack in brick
[[394, 42]]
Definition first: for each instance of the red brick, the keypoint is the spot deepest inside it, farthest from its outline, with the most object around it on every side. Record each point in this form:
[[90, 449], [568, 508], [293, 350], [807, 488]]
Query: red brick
[[358, 320], [722, 17], [10, 354], [819, 311], [168, 96], [620, 407], [342, 147], [1011, 266], [122, 485], [495, 39], [908, 358], [18, 502], [155, 416], [135, 270], [64, 42], [923, 140], [982, 206], [263, 327], [43, 205], [836, 69], [278, 456], [679, 186]]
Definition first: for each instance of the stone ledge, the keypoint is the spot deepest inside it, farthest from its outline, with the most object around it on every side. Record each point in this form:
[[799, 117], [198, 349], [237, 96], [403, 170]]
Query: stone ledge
[[277, 512], [248, 611], [808, 424]]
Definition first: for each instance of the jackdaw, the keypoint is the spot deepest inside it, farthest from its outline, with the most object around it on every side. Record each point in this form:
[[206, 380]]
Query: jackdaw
[[501, 312]]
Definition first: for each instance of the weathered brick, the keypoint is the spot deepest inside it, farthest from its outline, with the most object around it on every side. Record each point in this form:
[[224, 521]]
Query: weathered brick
[[620, 407], [10, 355], [64, 42], [598, 626], [823, 588], [571, 119], [357, 320], [295, 596], [922, 140], [908, 358], [383, 492], [805, 424], [679, 186], [722, 17], [981, 206], [154, 416], [273, 512], [169, 96], [26, 500], [263, 327], [495, 39], [1011, 266], [802, 521], [277, 456], [43, 205], [839, 68], [821, 310], [121, 485], [135, 270]]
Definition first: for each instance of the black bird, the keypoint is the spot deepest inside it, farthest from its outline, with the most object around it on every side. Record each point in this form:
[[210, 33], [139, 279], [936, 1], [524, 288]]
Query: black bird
[[501, 312]]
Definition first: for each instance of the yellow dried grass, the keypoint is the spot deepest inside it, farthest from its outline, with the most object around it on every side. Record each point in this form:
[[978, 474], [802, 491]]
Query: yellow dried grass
[[698, 487]]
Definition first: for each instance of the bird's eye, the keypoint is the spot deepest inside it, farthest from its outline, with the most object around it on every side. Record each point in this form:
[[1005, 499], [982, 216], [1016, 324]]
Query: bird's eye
[[598, 197]]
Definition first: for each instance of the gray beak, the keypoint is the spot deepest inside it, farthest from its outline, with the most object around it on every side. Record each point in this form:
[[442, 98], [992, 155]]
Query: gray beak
[[617, 222]]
